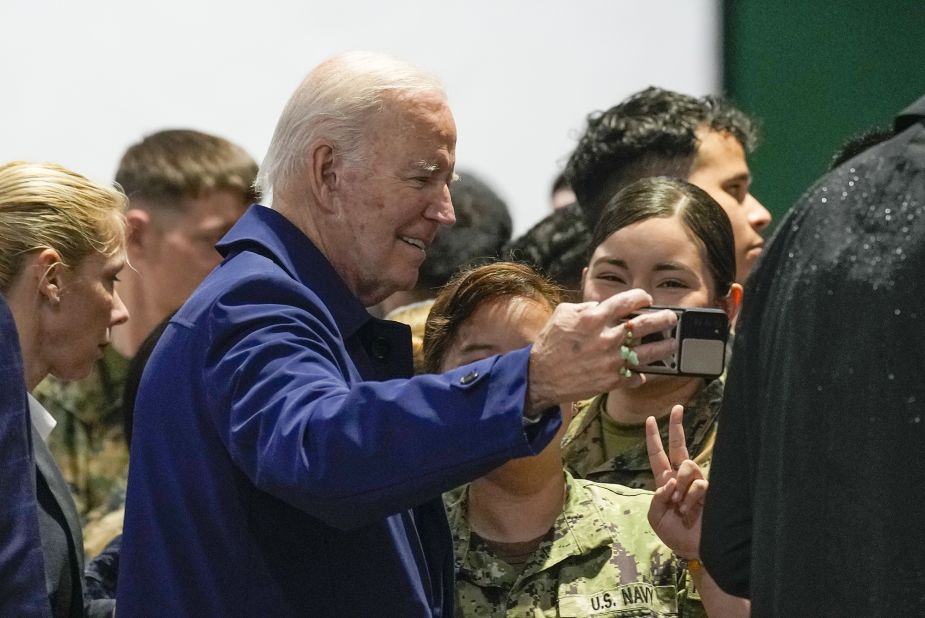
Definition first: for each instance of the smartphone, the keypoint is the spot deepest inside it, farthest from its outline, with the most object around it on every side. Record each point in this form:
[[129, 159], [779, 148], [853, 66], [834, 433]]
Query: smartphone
[[701, 335]]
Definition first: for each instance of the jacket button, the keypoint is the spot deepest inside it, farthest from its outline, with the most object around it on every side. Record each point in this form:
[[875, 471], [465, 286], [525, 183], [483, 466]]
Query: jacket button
[[379, 348], [469, 378]]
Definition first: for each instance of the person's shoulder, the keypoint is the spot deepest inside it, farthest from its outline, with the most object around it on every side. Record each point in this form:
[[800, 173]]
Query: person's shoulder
[[454, 499], [621, 509], [246, 270], [247, 283], [623, 512], [584, 413], [611, 494], [587, 408]]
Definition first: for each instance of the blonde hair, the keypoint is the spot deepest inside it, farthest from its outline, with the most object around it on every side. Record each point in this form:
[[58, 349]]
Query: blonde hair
[[46, 206], [335, 101]]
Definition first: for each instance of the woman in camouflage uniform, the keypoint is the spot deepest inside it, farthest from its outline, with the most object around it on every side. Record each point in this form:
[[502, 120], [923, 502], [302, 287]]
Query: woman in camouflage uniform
[[530, 539], [674, 241]]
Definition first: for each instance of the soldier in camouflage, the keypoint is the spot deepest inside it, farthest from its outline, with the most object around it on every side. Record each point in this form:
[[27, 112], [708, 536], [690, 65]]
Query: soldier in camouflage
[[530, 539], [601, 557], [185, 189], [586, 452], [673, 240]]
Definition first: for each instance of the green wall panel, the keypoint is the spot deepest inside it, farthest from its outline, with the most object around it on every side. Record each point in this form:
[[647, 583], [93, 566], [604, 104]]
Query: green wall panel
[[814, 74]]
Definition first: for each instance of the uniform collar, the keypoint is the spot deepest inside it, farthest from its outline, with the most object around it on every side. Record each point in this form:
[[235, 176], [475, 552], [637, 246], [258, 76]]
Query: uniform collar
[[583, 444], [267, 232], [577, 531]]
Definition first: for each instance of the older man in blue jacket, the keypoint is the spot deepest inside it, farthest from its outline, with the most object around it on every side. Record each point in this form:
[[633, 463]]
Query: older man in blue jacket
[[284, 462]]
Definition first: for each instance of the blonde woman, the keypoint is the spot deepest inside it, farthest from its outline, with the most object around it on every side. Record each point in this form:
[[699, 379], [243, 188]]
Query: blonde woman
[[62, 245]]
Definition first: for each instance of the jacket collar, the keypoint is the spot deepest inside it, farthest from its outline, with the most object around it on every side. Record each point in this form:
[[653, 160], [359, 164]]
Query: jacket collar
[[267, 232]]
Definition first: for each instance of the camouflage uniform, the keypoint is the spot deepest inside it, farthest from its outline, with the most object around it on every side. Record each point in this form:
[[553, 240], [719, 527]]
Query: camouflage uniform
[[88, 442], [602, 559], [583, 444]]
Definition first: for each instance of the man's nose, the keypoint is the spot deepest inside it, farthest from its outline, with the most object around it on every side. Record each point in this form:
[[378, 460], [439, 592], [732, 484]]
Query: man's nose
[[758, 216], [441, 209]]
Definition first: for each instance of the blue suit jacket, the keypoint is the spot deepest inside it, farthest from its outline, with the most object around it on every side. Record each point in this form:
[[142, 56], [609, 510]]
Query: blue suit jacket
[[22, 570], [283, 463]]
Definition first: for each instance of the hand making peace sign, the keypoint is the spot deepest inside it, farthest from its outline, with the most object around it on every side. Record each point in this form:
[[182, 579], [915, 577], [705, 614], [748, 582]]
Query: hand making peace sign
[[676, 510]]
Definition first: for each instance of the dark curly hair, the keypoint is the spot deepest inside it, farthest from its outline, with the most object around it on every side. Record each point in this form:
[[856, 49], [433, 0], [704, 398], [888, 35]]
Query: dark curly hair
[[653, 132]]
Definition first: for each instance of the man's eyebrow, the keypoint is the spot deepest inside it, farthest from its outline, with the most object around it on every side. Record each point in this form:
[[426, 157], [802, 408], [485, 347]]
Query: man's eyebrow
[[426, 166], [430, 168], [743, 176]]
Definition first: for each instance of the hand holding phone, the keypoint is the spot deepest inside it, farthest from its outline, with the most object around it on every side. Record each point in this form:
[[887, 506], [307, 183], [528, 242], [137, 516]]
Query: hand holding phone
[[701, 335]]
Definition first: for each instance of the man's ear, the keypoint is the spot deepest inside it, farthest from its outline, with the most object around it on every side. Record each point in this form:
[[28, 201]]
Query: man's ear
[[48, 272], [732, 302], [323, 174], [139, 228]]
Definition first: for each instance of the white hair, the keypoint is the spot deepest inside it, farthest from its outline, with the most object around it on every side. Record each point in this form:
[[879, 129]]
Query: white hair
[[334, 102]]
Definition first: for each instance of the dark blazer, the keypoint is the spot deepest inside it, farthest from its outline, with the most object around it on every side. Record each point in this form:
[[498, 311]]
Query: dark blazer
[[22, 590], [62, 541], [281, 463], [60, 529]]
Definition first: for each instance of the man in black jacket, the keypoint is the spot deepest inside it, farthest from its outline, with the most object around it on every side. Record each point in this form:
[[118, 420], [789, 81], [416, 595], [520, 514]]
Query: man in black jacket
[[814, 507]]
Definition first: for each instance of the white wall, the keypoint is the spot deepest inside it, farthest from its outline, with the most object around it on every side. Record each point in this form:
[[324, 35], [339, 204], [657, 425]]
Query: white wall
[[80, 81]]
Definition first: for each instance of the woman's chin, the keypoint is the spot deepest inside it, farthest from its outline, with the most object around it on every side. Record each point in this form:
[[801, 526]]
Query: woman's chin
[[71, 374]]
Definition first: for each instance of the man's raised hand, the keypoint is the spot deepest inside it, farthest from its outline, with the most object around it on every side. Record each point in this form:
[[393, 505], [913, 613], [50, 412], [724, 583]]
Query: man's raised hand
[[578, 353]]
